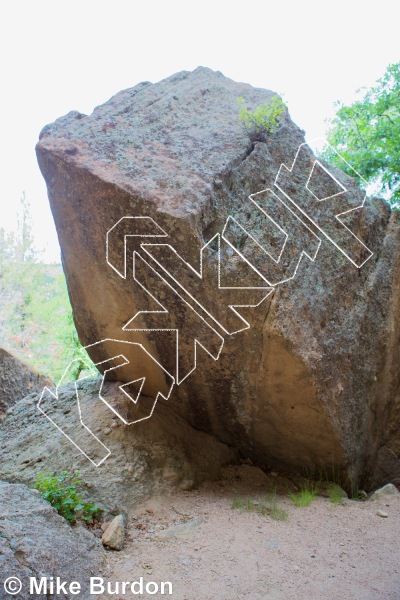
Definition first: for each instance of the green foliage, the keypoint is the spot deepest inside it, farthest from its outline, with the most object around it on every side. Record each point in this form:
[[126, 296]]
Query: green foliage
[[24, 249], [305, 495], [275, 512], [367, 135], [7, 249], [36, 322], [245, 504], [61, 492], [267, 507], [263, 120]]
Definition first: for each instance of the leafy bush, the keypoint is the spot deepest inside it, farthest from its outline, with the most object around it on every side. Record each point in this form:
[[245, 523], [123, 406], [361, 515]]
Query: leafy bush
[[263, 120], [61, 492]]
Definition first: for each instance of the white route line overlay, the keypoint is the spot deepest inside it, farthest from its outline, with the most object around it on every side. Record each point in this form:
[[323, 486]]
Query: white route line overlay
[[199, 274], [91, 374], [283, 166], [165, 311], [161, 233], [312, 257], [343, 191], [55, 396], [145, 221], [123, 385]]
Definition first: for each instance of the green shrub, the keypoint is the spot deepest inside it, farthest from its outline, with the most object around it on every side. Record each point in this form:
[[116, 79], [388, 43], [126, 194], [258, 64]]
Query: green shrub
[[61, 492], [263, 120]]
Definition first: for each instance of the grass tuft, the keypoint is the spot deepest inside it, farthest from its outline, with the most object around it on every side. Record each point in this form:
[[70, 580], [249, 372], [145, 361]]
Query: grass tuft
[[305, 495], [268, 507]]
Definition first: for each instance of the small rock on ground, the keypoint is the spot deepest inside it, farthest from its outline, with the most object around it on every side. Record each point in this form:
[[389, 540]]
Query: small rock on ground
[[387, 490], [114, 535], [181, 529]]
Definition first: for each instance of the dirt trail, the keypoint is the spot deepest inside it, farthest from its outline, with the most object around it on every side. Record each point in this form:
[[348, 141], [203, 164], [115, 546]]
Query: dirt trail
[[215, 552]]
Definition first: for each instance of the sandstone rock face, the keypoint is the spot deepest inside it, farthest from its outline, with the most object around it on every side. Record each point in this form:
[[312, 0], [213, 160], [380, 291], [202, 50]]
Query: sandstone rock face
[[314, 381], [36, 542], [17, 380]]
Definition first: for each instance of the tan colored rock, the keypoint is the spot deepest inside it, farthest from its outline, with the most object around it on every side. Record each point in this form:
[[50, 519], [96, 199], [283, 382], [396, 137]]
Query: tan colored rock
[[386, 491], [114, 535], [314, 380]]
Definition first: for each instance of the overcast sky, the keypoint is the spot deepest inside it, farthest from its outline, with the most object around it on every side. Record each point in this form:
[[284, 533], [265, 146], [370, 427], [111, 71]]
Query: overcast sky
[[59, 56]]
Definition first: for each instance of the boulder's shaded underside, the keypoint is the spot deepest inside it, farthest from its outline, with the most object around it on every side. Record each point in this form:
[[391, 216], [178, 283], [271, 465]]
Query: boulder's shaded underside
[[314, 381]]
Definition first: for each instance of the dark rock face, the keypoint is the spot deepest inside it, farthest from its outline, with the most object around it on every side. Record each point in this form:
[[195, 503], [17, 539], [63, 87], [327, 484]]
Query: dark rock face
[[313, 382], [36, 542], [17, 380]]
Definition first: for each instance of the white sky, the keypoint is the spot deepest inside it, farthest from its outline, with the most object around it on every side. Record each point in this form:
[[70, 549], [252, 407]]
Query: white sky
[[58, 56]]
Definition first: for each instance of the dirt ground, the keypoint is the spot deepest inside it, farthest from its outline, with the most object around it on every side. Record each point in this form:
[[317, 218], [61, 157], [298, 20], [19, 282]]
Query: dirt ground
[[210, 550]]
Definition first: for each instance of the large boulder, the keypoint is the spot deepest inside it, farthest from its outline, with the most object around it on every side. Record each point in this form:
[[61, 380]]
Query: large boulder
[[314, 381], [36, 542], [17, 380]]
